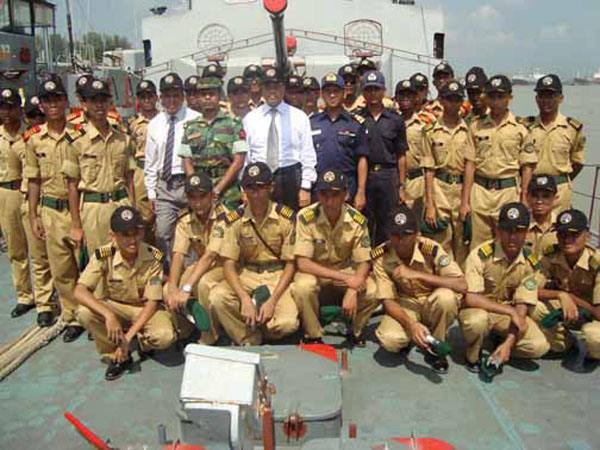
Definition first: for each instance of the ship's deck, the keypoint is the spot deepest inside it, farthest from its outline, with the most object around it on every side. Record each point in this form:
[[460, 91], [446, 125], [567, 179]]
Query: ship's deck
[[541, 405]]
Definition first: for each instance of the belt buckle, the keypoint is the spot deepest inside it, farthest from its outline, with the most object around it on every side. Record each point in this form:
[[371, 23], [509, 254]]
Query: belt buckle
[[377, 168]]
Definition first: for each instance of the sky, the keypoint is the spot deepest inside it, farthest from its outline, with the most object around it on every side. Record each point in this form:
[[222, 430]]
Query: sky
[[503, 36]]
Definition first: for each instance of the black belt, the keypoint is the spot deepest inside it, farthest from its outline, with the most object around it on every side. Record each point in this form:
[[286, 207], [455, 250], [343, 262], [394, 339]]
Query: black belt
[[104, 197], [497, 184], [415, 173], [266, 267], [55, 203], [449, 178], [380, 167], [12, 185], [561, 179]]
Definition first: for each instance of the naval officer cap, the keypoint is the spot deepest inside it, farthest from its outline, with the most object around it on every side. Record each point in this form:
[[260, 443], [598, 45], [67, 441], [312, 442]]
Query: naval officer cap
[[97, 88], [256, 174], [347, 71], [405, 86], [549, 82], [571, 220], [475, 78], [311, 84], [419, 80], [252, 71], [402, 220], [145, 87], [513, 216], [498, 83], [331, 180], [443, 68], [236, 84], [82, 83], [198, 182], [126, 218], [170, 81], [331, 79], [452, 88], [213, 70], [52, 86], [294, 83], [373, 78], [543, 183]]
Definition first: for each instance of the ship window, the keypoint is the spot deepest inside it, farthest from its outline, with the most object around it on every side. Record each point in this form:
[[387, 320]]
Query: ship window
[[22, 17]]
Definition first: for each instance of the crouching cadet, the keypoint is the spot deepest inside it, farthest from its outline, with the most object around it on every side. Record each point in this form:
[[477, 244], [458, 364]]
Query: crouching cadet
[[419, 285], [502, 280], [128, 276], [333, 250], [570, 291], [258, 264]]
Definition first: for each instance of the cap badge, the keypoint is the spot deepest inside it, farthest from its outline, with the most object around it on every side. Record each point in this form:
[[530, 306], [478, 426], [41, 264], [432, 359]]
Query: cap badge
[[6, 93], [127, 215], [306, 82], [330, 77], [542, 181], [471, 78], [50, 85], [400, 219], [253, 171], [34, 100], [195, 181], [97, 85], [329, 177], [253, 69], [82, 81], [239, 81], [442, 66], [453, 87], [566, 218], [406, 83], [212, 69], [496, 82], [270, 73], [169, 79], [420, 78], [372, 77], [547, 81], [193, 81], [144, 85], [513, 213], [348, 69]]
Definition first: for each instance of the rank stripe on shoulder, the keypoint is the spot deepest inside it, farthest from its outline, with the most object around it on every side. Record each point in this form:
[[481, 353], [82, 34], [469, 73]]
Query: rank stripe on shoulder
[[286, 212], [378, 251], [105, 252], [574, 123], [357, 216], [308, 216], [429, 248], [231, 216], [156, 253], [486, 251]]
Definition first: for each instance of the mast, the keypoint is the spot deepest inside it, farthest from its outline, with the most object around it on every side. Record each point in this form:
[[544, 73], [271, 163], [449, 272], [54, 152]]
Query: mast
[[276, 8], [71, 42]]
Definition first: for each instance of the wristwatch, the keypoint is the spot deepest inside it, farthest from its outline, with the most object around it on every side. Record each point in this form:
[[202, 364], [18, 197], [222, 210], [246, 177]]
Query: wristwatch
[[186, 288]]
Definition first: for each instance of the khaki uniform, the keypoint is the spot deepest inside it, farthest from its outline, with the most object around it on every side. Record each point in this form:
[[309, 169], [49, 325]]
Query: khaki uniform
[[434, 107], [44, 156], [125, 290], [541, 237], [101, 165], [138, 129], [500, 154], [11, 220], [447, 152], [488, 272], [258, 266], [582, 280], [191, 235], [434, 308], [558, 146], [80, 118], [341, 247], [415, 181]]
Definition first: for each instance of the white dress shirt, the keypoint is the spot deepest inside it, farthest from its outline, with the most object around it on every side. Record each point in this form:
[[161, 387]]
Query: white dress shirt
[[156, 142], [295, 139]]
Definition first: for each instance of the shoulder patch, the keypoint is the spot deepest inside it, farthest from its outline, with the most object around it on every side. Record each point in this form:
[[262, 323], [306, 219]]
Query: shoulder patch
[[308, 216], [378, 251], [74, 115], [72, 135], [158, 255], [595, 263], [105, 252], [33, 130], [486, 251], [231, 216], [357, 217], [575, 123], [286, 212], [535, 262], [359, 119], [429, 248]]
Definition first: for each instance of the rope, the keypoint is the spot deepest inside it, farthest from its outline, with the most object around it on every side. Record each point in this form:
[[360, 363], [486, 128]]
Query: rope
[[15, 353]]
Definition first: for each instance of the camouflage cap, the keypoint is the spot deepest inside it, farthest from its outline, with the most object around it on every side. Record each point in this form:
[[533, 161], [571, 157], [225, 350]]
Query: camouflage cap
[[126, 218], [145, 87], [206, 83], [170, 81], [257, 173], [549, 82], [252, 71], [420, 80], [513, 215], [498, 83], [443, 68], [331, 180], [52, 86], [236, 84], [199, 181], [452, 88], [402, 220], [213, 70], [571, 220]]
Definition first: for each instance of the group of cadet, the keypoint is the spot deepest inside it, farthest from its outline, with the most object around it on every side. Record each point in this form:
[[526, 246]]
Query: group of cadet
[[249, 219]]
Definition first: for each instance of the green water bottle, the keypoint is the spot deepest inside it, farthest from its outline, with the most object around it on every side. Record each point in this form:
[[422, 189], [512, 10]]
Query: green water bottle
[[440, 348], [199, 313], [490, 366], [260, 295], [556, 316]]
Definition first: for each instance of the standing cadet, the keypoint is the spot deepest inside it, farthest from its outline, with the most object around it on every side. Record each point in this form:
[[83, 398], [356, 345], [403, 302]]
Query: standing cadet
[[503, 164], [407, 98], [80, 117], [253, 77], [294, 92], [449, 165], [558, 141], [419, 286], [239, 97], [442, 73], [199, 231], [386, 138], [11, 203], [348, 73], [192, 93], [571, 282], [312, 94], [138, 127], [475, 82], [33, 113], [128, 276], [340, 140], [46, 151], [542, 196], [99, 165], [333, 250], [422, 84], [502, 285], [257, 253], [214, 143]]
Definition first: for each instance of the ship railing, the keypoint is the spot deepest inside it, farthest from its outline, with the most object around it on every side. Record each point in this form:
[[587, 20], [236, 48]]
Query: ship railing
[[594, 199]]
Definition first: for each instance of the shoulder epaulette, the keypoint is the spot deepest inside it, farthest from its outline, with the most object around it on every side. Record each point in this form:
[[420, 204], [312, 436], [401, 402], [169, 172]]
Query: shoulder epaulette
[[595, 263], [105, 252], [359, 119], [220, 210], [526, 121], [425, 118], [378, 251], [551, 250], [575, 123], [115, 116], [156, 253], [429, 248], [183, 213], [72, 135], [308, 216], [427, 128], [74, 115], [286, 212], [486, 251], [535, 262], [357, 216], [33, 130], [232, 216]]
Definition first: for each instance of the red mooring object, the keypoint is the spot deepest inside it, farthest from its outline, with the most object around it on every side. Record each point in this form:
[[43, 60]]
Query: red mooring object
[[275, 6], [324, 350], [352, 431], [425, 443], [87, 434], [345, 360]]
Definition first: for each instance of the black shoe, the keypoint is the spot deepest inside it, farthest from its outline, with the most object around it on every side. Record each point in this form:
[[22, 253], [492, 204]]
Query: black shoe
[[21, 309], [72, 332], [439, 364], [359, 342], [307, 340], [116, 369], [144, 355], [473, 367], [45, 319]]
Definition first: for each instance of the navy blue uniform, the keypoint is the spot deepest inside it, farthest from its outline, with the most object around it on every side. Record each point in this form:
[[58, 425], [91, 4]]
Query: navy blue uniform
[[339, 144], [386, 140]]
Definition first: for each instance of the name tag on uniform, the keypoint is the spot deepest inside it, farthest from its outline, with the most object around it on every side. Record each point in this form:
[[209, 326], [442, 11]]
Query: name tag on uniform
[[347, 133], [316, 132]]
